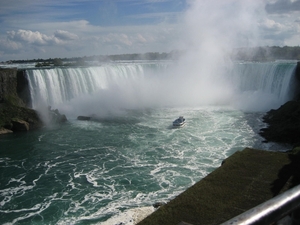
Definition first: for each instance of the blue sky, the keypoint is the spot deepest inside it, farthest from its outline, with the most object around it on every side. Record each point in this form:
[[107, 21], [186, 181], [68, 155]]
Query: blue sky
[[70, 28]]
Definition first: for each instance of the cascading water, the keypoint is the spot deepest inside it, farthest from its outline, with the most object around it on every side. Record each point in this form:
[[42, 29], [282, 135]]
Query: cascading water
[[273, 78], [59, 85], [254, 86], [105, 170], [262, 86], [109, 86]]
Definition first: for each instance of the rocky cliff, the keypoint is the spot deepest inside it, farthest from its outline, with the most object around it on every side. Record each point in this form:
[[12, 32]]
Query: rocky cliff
[[14, 115], [283, 124], [8, 87], [296, 88]]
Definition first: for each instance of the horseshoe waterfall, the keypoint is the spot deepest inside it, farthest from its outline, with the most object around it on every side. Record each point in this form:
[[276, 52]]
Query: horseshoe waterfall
[[128, 156]]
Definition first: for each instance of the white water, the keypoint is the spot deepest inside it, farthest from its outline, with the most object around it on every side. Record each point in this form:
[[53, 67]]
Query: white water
[[107, 89], [112, 170], [108, 171], [263, 86]]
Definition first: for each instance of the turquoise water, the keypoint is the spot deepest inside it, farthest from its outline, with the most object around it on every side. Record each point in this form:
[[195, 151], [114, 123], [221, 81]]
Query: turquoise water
[[85, 172], [130, 157]]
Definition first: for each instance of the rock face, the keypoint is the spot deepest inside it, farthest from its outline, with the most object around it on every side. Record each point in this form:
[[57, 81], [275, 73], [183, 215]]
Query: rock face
[[14, 115], [56, 117], [83, 118], [283, 124], [8, 83], [297, 83], [23, 88], [19, 125], [17, 118], [8, 87], [5, 131]]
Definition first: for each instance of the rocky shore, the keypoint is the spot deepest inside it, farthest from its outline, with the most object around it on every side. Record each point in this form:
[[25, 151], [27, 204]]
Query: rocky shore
[[283, 124]]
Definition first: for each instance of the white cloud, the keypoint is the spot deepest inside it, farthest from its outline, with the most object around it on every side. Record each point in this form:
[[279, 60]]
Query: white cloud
[[141, 39], [65, 35], [28, 36], [123, 38], [37, 38], [62, 33], [292, 36], [79, 38], [9, 46], [271, 25]]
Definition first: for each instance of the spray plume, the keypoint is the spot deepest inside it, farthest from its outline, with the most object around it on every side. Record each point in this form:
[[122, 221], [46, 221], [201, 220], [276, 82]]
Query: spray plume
[[210, 30]]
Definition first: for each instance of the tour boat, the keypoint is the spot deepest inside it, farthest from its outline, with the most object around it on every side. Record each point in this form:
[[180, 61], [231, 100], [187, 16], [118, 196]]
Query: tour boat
[[180, 122]]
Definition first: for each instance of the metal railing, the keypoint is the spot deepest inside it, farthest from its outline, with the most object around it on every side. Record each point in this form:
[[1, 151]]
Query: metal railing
[[272, 210]]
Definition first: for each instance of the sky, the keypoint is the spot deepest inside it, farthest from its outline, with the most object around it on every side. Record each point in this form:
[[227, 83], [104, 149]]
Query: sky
[[33, 29]]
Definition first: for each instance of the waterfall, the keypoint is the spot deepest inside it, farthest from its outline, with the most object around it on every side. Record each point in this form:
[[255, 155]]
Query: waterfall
[[128, 84], [269, 83], [273, 78], [59, 85]]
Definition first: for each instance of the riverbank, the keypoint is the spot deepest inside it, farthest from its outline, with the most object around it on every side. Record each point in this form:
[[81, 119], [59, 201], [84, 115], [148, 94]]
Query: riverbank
[[245, 180]]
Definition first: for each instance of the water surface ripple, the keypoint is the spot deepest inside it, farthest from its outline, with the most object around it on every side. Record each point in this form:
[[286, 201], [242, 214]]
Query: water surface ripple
[[85, 172]]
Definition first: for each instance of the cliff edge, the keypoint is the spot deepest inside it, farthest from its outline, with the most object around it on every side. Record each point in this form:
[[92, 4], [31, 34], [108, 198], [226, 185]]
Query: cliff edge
[[14, 115], [283, 124]]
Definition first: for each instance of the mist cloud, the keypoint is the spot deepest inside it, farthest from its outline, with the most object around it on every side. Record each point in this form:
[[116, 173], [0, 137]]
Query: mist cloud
[[208, 31], [212, 29]]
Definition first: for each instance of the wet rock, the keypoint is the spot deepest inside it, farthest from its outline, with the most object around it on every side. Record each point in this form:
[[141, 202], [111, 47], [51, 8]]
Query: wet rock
[[56, 117], [283, 124], [158, 204], [20, 125], [83, 118], [5, 131]]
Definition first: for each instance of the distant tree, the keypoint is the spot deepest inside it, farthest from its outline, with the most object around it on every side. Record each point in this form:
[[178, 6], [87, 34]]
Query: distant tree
[[42, 64], [57, 62], [38, 65]]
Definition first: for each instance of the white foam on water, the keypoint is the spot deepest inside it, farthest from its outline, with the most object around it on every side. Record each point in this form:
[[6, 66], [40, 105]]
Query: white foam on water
[[149, 163], [38, 209]]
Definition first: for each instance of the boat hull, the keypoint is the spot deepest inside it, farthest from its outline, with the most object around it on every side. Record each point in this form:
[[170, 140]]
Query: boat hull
[[178, 125]]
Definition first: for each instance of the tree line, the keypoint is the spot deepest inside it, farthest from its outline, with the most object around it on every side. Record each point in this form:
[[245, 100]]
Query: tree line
[[267, 53], [82, 61], [246, 54]]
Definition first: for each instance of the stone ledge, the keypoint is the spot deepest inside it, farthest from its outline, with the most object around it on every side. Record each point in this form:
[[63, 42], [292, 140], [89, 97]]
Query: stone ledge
[[245, 180], [5, 131]]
